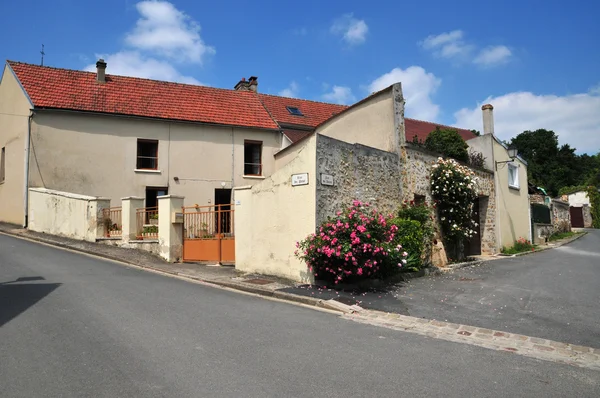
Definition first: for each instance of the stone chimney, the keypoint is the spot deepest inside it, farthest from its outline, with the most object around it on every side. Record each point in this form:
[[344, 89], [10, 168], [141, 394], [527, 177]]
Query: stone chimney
[[250, 85], [488, 119], [101, 71]]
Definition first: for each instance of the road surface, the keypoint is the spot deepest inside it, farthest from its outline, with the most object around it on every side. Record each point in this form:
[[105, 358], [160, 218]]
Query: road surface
[[77, 326]]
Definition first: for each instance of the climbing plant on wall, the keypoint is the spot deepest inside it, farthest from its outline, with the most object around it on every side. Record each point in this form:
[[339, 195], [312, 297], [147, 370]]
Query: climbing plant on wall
[[453, 187], [594, 196]]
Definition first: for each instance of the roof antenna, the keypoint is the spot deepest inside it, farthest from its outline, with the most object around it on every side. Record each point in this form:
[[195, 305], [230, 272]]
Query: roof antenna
[[43, 53]]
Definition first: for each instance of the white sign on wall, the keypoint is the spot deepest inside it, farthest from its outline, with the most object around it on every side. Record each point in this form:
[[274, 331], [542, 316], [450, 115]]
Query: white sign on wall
[[327, 179], [299, 179]]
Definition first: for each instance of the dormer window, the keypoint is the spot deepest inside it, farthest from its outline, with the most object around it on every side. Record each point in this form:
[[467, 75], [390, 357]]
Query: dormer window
[[294, 111]]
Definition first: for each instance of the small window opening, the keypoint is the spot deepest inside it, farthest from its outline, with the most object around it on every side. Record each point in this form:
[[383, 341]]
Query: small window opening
[[294, 111]]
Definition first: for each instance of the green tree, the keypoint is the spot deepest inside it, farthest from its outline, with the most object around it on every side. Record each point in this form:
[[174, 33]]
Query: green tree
[[449, 143]]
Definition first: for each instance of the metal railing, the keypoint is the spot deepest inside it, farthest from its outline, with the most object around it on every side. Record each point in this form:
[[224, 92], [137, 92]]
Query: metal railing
[[208, 222], [147, 223], [112, 221]]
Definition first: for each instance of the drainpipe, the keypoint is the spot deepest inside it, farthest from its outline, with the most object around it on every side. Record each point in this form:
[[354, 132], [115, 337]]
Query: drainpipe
[[26, 185]]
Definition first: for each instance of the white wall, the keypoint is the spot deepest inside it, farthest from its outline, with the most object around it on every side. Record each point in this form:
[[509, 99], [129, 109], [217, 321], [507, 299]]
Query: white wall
[[272, 215], [578, 199], [65, 214]]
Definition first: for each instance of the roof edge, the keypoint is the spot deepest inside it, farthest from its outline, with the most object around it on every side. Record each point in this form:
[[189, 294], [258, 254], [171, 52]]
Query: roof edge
[[8, 65]]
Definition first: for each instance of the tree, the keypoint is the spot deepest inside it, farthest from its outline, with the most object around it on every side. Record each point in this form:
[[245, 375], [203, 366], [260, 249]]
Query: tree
[[449, 143], [476, 132], [552, 166]]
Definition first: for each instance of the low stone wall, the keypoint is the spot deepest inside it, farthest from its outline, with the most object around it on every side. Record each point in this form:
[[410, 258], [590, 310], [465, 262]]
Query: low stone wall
[[151, 246], [66, 214], [561, 217], [541, 233]]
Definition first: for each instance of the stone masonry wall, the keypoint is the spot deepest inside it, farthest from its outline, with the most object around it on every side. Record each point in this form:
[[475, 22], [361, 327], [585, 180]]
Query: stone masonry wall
[[561, 217], [415, 170], [359, 172], [587, 216]]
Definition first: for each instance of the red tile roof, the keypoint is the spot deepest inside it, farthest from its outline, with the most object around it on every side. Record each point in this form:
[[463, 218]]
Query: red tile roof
[[76, 90], [296, 135], [422, 129], [314, 112]]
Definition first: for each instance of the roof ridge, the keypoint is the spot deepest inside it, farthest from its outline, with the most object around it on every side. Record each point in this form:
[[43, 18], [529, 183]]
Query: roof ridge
[[303, 99], [121, 76], [437, 124], [267, 110]]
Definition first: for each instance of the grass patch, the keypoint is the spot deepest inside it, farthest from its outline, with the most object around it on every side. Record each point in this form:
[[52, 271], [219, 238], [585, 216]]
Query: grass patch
[[562, 235], [522, 245]]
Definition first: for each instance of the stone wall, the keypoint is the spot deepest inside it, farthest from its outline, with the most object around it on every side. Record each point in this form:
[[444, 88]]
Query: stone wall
[[561, 217], [415, 170], [541, 232], [359, 172], [587, 216], [537, 198]]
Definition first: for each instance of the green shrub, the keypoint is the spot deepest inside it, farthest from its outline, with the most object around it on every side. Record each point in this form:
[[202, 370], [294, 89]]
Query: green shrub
[[561, 235], [412, 211], [448, 142], [410, 233]]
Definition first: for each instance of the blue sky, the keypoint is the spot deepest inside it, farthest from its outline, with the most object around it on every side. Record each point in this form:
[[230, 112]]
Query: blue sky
[[537, 62]]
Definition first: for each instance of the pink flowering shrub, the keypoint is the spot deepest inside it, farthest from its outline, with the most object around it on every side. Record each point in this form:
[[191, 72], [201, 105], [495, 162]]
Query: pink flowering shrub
[[359, 243]]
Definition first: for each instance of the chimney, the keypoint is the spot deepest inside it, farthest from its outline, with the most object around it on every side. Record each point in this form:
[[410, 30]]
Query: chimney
[[101, 71], [253, 83], [250, 85], [488, 119]]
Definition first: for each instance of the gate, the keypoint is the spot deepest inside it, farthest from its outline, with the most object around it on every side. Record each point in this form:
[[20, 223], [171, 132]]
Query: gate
[[576, 217], [208, 234]]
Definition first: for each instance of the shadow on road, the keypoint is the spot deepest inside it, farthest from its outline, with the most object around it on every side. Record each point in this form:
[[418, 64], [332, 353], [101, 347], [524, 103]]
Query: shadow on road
[[17, 296]]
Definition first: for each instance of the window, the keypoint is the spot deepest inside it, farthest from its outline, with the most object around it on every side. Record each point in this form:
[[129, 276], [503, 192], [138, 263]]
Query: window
[[147, 155], [419, 200], [3, 164], [513, 176], [294, 111], [253, 158]]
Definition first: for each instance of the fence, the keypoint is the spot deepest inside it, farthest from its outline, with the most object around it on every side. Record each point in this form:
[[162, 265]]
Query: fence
[[208, 233], [112, 220], [147, 223]]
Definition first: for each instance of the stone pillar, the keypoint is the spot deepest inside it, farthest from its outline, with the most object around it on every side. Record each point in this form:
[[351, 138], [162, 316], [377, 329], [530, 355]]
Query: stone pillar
[[95, 218], [170, 235], [129, 217]]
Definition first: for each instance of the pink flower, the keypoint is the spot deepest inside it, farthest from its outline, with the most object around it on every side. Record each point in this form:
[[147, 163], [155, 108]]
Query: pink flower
[[359, 271], [405, 254]]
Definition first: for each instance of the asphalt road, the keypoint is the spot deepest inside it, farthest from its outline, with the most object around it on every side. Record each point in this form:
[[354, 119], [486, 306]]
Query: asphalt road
[[554, 294], [76, 326]]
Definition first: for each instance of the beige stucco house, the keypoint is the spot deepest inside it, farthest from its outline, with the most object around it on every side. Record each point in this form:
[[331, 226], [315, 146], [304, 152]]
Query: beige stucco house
[[510, 178]]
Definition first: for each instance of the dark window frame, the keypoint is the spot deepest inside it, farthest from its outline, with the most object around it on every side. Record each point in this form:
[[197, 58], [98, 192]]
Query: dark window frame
[[141, 158], [252, 165], [294, 110]]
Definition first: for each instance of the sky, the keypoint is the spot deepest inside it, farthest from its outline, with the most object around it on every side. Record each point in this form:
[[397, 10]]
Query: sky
[[537, 62]]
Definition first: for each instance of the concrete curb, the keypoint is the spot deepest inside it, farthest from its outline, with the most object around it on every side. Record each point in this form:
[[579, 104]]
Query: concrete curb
[[326, 304]]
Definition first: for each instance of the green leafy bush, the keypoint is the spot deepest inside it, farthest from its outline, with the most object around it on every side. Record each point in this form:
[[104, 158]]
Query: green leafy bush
[[410, 233], [448, 142]]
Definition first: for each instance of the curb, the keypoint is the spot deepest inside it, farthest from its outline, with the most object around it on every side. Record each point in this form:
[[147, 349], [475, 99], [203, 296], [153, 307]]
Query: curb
[[339, 307]]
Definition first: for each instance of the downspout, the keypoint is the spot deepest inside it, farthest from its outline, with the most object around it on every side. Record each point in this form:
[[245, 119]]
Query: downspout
[[26, 185]]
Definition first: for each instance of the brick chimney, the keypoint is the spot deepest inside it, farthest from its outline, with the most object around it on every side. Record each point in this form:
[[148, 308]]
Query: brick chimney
[[101, 71], [488, 119], [250, 85]]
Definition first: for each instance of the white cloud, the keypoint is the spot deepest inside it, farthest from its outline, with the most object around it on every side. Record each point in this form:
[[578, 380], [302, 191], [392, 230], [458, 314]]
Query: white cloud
[[493, 55], [353, 31], [418, 86], [291, 91], [162, 38], [452, 45], [595, 90], [132, 63], [166, 31], [447, 45], [340, 95], [575, 118]]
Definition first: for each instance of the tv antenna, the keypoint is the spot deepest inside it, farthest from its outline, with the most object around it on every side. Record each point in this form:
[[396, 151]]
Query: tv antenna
[[43, 53]]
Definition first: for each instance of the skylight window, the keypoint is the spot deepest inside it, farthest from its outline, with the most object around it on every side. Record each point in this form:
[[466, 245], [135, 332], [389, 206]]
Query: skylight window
[[294, 111]]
